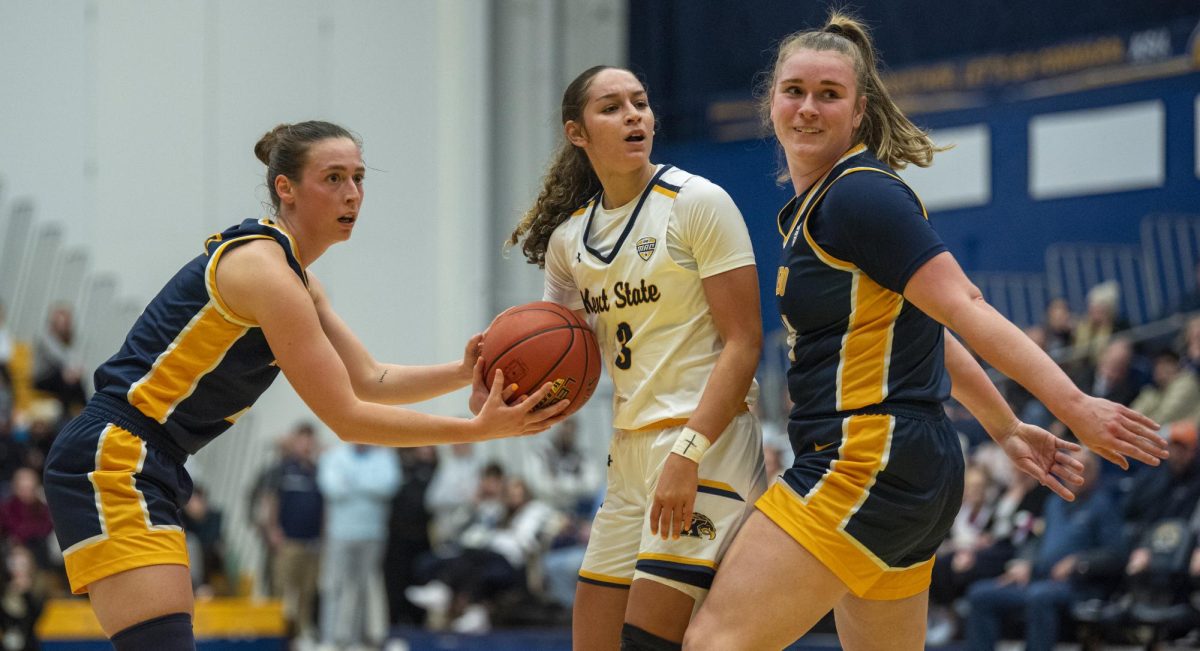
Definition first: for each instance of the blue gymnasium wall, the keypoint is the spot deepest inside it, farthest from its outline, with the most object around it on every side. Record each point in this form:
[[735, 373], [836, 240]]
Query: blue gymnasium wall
[[1012, 231]]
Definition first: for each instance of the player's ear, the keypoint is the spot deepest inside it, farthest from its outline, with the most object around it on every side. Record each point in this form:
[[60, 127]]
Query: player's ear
[[283, 188], [576, 135]]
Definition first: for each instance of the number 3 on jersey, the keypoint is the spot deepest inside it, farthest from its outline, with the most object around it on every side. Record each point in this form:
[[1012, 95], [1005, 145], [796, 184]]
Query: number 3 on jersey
[[624, 356]]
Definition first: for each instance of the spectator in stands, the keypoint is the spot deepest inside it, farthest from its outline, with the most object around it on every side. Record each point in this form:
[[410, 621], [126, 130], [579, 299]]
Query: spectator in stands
[[562, 562], [1059, 328], [1167, 491], [559, 472], [1190, 346], [1094, 331], [1174, 393], [358, 483], [202, 524], [57, 368], [482, 509], [408, 532], [21, 600], [1112, 378], [24, 516], [1040, 584], [491, 559], [454, 485], [294, 516]]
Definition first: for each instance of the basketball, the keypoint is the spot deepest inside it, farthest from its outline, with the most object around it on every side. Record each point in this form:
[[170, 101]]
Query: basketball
[[543, 342]]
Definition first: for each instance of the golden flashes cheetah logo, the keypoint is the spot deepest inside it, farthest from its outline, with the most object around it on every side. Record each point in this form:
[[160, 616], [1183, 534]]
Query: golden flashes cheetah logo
[[702, 527], [559, 389]]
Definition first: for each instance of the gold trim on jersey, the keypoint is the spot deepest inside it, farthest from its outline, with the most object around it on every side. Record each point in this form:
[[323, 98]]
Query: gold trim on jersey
[[266, 221], [665, 191], [210, 281], [197, 350], [582, 210], [800, 213], [127, 538], [865, 353]]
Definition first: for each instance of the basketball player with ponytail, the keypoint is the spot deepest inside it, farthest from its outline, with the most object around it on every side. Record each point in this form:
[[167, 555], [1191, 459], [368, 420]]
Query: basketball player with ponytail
[[867, 292], [198, 357], [659, 262]]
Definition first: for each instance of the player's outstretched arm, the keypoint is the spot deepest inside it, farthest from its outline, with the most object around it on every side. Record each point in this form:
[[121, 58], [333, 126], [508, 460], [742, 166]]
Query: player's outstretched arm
[[389, 384], [940, 289], [257, 284], [1042, 455]]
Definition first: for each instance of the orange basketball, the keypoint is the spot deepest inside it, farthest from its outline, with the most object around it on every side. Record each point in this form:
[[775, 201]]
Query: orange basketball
[[543, 342]]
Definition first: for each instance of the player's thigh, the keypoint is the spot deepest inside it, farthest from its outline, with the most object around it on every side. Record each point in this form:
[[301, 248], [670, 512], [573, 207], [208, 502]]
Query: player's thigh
[[769, 591], [877, 625], [599, 613], [140, 594]]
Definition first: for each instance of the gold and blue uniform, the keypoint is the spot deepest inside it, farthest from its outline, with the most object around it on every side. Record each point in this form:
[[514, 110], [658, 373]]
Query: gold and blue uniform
[[188, 369], [877, 479]]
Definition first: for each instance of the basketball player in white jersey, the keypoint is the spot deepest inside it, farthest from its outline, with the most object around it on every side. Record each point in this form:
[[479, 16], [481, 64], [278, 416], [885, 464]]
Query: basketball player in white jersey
[[659, 262]]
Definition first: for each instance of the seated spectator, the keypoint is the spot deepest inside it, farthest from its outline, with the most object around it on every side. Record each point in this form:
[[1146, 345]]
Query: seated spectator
[[1094, 331], [1170, 490], [561, 564], [1042, 584], [1190, 346], [206, 550], [1059, 328], [967, 534], [1173, 394], [1113, 377], [490, 559], [452, 489], [24, 516], [56, 366], [558, 470], [21, 600]]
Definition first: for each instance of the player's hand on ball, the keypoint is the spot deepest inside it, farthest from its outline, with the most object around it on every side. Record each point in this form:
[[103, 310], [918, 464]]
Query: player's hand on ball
[[480, 391], [471, 356], [500, 420]]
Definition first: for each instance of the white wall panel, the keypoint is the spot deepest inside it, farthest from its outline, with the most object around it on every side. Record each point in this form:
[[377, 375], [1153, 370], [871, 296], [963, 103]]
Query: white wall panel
[[1097, 151], [960, 177]]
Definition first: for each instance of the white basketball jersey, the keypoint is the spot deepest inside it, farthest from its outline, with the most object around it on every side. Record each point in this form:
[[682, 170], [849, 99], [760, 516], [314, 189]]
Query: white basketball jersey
[[650, 314]]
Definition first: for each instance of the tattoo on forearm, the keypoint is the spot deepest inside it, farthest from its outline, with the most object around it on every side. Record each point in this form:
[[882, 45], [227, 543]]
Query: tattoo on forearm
[[383, 376]]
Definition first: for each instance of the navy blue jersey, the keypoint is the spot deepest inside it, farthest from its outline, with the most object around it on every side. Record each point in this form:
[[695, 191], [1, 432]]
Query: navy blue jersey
[[851, 243], [190, 366]]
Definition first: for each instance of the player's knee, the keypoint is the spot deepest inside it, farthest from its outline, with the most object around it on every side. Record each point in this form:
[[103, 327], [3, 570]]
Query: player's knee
[[167, 633], [636, 639]]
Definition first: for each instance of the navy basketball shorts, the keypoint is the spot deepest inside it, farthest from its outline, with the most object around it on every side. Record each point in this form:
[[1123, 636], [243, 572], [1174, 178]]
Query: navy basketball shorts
[[115, 501], [872, 497]]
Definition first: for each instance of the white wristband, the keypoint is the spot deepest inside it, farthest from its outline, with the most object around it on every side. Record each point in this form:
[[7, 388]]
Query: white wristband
[[691, 444]]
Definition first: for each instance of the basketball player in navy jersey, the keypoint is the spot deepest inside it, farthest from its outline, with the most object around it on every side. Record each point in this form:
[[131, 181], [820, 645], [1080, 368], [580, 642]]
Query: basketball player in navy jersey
[[659, 262], [867, 291], [199, 356]]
